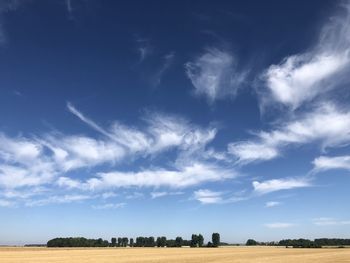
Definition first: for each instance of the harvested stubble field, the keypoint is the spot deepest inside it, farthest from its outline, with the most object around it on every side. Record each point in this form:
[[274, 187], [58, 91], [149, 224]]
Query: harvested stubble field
[[178, 255]]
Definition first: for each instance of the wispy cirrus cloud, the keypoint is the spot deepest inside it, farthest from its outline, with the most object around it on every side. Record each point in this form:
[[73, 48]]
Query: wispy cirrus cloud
[[309, 128], [214, 74], [324, 163], [19, 150], [303, 77], [272, 204], [109, 206], [87, 120], [73, 152], [58, 199], [49, 159], [67, 182], [167, 62], [144, 48], [279, 225], [69, 8], [274, 185], [7, 203], [22, 163], [250, 151], [180, 177], [206, 196], [159, 194], [161, 133], [328, 221]]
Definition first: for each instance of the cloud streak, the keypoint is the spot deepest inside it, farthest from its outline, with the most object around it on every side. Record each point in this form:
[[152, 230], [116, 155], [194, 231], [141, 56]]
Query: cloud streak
[[274, 185], [214, 74], [324, 163], [109, 206], [272, 204], [310, 128], [328, 221], [49, 159], [303, 77], [279, 225], [206, 196], [182, 177]]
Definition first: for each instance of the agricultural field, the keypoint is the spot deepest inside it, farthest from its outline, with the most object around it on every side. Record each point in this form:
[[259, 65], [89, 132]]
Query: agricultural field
[[169, 255]]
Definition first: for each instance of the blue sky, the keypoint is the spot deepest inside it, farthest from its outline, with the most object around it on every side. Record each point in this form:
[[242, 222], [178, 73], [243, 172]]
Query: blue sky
[[152, 118]]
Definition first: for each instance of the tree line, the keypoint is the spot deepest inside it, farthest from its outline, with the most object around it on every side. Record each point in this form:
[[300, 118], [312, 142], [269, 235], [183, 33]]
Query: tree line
[[196, 241], [302, 243]]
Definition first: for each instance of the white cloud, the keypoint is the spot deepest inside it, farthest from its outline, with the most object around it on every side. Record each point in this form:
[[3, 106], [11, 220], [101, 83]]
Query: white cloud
[[279, 225], [206, 196], [23, 163], [88, 121], [167, 61], [272, 204], [132, 139], [247, 151], [155, 195], [24, 194], [58, 199], [72, 152], [327, 221], [144, 48], [171, 131], [19, 150], [134, 195], [7, 203], [214, 74], [109, 206], [12, 176], [178, 178], [162, 132], [49, 159], [324, 163], [144, 51], [158, 194], [68, 182], [280, 184], [108, 195], [307, 129], [301, 78], [69, 8]]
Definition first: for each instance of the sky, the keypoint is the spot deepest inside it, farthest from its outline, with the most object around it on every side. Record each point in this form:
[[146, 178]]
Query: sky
[[149, 118]]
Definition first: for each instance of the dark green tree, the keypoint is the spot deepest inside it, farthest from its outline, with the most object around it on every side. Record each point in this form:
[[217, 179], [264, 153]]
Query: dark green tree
[[200, 240], [150, 242], [163, 241], [113, 242], [215, 238], [125, 241], [131, 244], [251, 242], [140, 242], [178, 242], [119, 242], [100, 242], [194, 240]]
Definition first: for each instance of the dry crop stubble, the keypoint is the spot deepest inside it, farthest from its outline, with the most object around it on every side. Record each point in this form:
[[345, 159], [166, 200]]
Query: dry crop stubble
[[172, 255]]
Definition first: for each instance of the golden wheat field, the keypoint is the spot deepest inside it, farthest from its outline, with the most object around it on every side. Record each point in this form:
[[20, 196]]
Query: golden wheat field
[[178, 255]]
